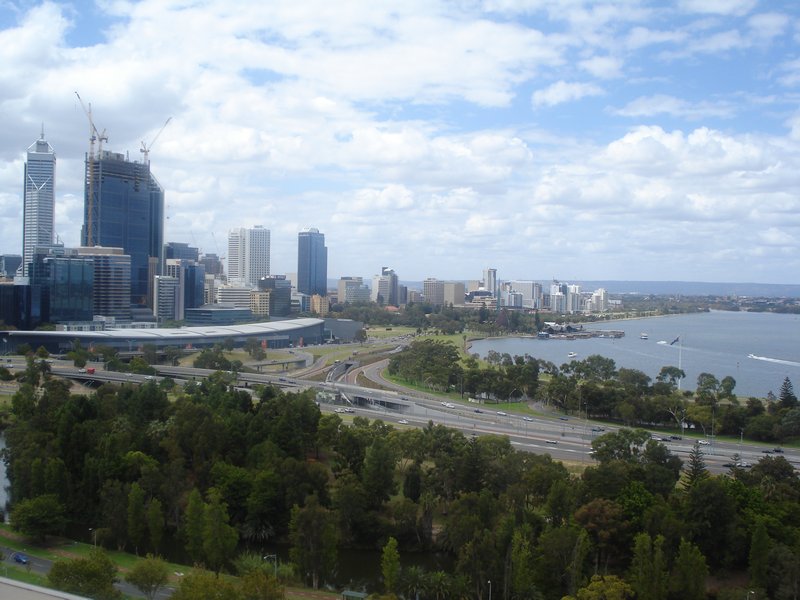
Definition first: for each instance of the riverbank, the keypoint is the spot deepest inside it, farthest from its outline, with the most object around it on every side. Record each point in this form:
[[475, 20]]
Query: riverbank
[[716, 342]]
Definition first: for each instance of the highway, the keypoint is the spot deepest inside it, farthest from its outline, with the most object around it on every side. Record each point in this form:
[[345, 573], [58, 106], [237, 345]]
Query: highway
[[564, 438]]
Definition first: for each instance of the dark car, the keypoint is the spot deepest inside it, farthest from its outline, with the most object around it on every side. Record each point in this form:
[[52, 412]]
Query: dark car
[[778, 450], [20, 558]]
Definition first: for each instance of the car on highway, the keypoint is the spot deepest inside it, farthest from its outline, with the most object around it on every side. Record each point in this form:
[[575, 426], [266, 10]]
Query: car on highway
[[703, 442], [778, 450], [530, 420], [767, 451], [564, 418], [479, 411], [21, 558], [501, 413], [552, 441], [403, 422]]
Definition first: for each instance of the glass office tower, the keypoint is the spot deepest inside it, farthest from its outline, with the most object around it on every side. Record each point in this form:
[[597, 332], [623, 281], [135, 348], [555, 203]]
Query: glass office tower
[[125, 210], [312, 263]]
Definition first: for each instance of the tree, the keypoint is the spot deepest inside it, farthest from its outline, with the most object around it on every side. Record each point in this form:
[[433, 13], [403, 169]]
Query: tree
[[93, 576], [203, 585], [648, 573], [137, 522], [604, 587], [378, 474], [149, 576], [194, 520], [689, 573], [390, 566], [260, 585], [219, 538], [155, 523], [786, 396], [759, 555], [39, 517], [696, 467], [313, 536], [625, 445]]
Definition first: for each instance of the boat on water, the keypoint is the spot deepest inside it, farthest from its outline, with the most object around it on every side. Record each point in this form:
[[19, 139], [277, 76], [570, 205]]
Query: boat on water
[[572, 355], [643, 336]]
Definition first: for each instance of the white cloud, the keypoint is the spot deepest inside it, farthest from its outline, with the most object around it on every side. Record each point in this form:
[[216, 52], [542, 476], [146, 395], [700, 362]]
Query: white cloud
[[603, 67], [649, 106], [406, 135], [766, 26], [718, 7], [563, 91]]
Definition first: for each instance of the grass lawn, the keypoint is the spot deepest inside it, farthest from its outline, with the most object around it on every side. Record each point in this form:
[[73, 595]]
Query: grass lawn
[[60, 549], [381, 332]]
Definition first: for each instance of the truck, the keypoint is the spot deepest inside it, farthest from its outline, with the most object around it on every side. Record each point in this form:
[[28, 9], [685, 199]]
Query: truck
[[90, 370]]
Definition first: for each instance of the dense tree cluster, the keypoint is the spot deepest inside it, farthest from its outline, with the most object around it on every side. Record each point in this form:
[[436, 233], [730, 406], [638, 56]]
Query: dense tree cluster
[[436, 364], [216, 468]]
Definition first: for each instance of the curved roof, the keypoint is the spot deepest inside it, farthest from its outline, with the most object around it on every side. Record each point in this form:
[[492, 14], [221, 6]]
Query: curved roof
[[218, 331]]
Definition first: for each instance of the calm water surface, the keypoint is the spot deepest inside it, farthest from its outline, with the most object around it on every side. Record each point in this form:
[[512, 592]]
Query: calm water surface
[[719, 342]]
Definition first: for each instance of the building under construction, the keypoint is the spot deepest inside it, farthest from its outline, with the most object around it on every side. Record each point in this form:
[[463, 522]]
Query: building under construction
[[124, 208]]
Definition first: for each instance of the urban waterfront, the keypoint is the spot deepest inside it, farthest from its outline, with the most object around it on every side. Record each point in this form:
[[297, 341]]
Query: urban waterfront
[[757, 349]]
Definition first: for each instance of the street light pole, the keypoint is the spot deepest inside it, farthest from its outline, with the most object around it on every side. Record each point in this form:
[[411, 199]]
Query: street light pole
[[490, 589]]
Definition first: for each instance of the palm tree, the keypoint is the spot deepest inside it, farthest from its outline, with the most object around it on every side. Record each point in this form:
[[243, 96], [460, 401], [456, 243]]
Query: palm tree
[[413, 581], [438, 585]]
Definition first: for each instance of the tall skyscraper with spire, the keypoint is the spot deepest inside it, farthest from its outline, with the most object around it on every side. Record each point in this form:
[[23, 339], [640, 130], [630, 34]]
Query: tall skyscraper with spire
[[39, 200], [312, 262]]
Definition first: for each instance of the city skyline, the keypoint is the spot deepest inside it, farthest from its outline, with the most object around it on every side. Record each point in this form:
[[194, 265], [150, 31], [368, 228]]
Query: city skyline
[[588, 141]]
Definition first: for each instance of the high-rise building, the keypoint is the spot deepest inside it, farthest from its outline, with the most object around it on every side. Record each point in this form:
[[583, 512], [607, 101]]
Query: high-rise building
[[433, 290], [352, 290], [312, 263], [39, 200], [167, 305], [490, 281], [531, 292], [126, 210], [9, 263], [180, 250], [574, 299], [385, 288], [248, 255], [454, 293], [112, 281], [280, 294], [212, 263], [66, 281], [600, 300]]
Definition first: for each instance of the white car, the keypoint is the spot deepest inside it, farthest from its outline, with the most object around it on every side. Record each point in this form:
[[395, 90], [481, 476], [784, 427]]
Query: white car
[[527, 419], [403, 422], [703, 442], [501, 413]]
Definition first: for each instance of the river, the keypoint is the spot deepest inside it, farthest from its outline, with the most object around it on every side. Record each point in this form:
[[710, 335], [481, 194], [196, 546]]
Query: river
[[757, 349]]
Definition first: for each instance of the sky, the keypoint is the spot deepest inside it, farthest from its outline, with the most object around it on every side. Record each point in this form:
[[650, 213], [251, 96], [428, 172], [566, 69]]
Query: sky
[[568, 139]]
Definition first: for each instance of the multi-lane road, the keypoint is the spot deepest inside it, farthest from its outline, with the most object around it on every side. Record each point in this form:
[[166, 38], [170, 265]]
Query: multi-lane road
[[564, 438]]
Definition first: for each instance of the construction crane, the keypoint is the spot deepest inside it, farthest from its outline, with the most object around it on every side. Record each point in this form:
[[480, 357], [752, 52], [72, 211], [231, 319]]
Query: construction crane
[[91, 158], [145, 149]]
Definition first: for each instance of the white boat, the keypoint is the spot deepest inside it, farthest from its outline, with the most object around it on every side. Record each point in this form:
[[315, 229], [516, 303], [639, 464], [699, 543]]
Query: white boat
[[572, 355], [643, 336]]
